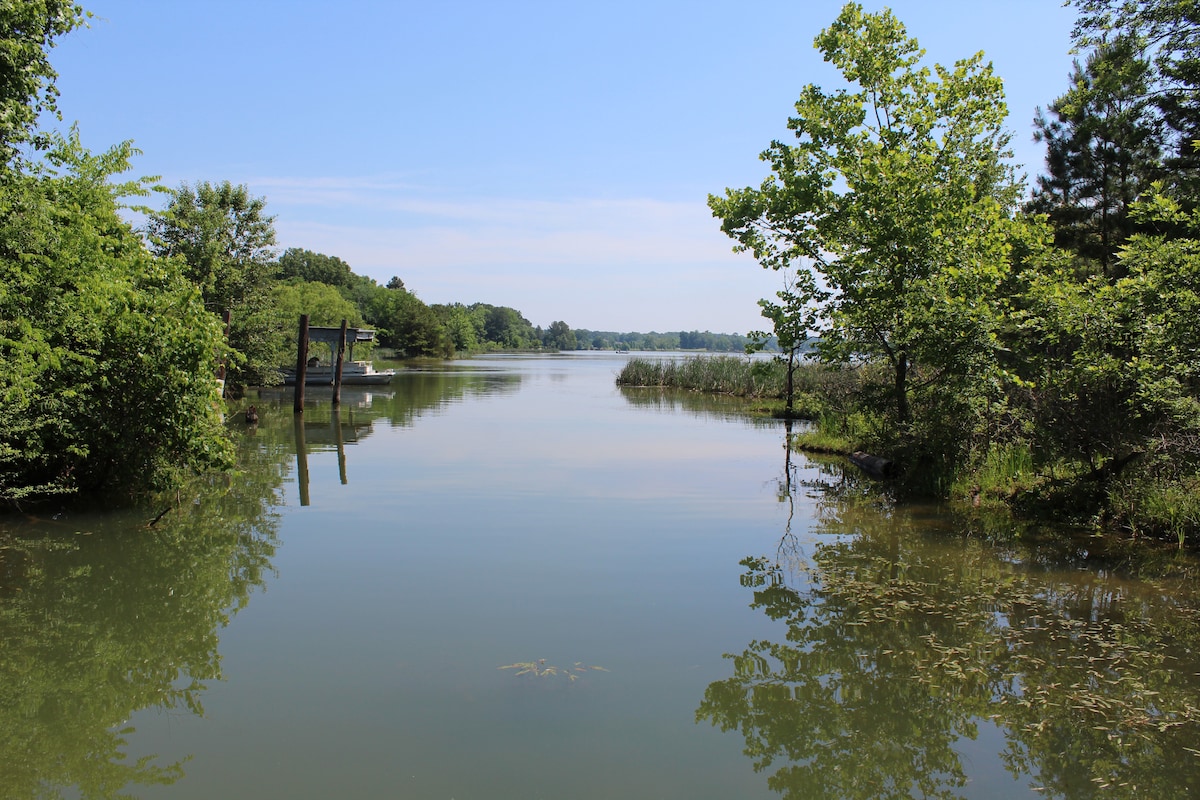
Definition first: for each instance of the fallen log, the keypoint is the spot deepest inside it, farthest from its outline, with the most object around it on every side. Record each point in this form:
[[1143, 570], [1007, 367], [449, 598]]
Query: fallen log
[[875, 466]]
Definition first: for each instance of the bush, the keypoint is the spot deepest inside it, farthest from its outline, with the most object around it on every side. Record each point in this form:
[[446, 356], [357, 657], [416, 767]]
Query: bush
[[107, 355]]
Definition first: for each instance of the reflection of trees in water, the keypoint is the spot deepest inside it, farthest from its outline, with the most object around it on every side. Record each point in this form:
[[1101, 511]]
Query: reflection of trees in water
[[100, 618], [902, 638], [418, 392], [326, 428], [116, 618], [700, 404], [789, 549], [410, 395]]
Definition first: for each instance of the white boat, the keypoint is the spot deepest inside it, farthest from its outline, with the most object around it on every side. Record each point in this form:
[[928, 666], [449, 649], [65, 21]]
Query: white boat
[[354, 373]]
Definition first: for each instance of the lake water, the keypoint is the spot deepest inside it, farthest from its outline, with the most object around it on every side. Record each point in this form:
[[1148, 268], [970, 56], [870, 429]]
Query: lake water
[[507, 578]]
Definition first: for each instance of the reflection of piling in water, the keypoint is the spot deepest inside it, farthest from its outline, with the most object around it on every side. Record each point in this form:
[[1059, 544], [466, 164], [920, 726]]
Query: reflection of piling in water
[[301, 458], [336, 420], [321, 437]]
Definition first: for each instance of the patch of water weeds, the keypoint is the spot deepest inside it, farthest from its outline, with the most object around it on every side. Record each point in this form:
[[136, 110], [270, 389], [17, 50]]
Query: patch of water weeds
[[905, 631]]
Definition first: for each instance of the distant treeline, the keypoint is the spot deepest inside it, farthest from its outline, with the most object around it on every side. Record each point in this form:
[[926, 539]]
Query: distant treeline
[[679, 340], [410, 328]]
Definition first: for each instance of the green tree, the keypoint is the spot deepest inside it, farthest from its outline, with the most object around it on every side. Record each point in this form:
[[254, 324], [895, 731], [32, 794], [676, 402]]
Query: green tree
[[896, 194], [506, 327], [405, 323], [456, 321], [226, 242], [791, 318], [27, 32], [1170, 30], [559, 336], [107, 356], [1103, 148], [324, 305], [315, 267], [1113, 370]]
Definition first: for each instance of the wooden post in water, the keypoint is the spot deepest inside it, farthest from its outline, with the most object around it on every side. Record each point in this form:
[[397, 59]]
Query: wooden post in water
[[301, 364], [337, 373]]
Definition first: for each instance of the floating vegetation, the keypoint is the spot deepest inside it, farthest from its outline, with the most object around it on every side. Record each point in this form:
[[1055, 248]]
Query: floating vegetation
[[540, 669], [889, 648]]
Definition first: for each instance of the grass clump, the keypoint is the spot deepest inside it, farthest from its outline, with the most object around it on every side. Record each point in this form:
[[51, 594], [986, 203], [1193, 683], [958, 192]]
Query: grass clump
[[715, 374], [817, 389], [1169, 509], [1002, 474], [834, 433]]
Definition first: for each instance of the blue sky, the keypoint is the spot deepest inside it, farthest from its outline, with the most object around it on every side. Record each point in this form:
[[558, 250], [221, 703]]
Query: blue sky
[[554, 157]]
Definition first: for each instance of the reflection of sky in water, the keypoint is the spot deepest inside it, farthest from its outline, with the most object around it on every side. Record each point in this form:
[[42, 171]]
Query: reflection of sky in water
[[552, 520], [537, 513], [564, 434]]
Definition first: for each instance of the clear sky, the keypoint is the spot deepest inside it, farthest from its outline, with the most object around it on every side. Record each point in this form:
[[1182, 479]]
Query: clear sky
[[554, 156]]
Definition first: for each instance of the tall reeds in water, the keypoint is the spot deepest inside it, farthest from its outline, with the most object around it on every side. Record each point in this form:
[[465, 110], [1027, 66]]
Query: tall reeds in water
[[717, 374]]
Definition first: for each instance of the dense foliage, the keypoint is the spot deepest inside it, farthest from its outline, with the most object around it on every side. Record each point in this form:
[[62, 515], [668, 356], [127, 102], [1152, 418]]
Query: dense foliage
[[27, 32], [226, 244], [107, 355], [1044, 356]]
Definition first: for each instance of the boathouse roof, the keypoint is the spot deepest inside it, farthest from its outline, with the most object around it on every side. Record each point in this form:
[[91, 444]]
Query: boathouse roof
[[330, 335]]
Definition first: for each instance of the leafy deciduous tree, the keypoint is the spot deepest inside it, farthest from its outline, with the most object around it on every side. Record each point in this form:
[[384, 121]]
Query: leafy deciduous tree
[[315, 267], [559, 336], [791, 320], [27, 32], [324, 305], [226, 242], [107, 355], [896, 193]]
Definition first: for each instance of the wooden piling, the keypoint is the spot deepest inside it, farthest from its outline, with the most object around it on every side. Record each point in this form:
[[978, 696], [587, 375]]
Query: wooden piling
[[337, 372], [301, 364]]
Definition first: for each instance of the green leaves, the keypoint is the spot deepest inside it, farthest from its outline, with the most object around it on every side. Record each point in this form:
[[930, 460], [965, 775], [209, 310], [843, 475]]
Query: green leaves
[[107, 356], [225, 242], [894, 204], [27, 32]]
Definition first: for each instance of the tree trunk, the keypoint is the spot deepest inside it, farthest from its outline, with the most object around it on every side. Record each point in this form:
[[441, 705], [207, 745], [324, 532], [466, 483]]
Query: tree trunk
[[789, 388]]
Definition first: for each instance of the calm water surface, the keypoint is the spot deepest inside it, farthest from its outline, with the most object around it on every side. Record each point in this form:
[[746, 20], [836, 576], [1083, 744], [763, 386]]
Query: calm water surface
[[506, 578]]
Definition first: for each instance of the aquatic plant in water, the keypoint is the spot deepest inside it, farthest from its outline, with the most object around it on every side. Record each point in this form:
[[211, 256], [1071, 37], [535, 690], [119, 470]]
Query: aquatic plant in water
[[540, 669]]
